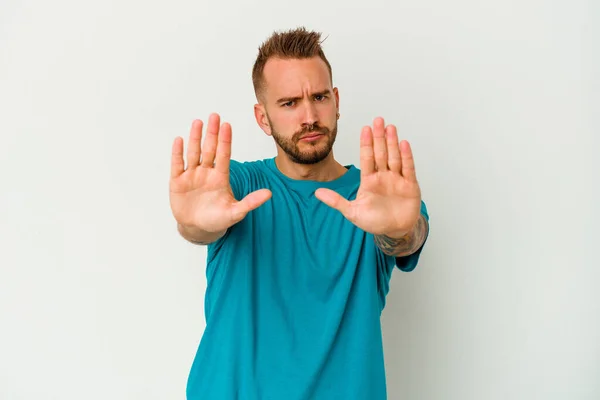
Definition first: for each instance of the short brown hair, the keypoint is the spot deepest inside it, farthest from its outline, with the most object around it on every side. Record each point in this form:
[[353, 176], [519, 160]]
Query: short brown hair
[[296, 43]]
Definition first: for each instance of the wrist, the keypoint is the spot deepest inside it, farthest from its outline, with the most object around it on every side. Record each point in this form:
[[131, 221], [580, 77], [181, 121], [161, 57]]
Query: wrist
[[197, 235], [401, 234]]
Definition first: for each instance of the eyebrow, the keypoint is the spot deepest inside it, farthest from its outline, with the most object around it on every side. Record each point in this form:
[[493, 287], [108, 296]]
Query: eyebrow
[[321, 93]]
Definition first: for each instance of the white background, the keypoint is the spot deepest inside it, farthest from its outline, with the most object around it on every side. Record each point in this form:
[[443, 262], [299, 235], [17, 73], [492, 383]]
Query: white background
[[101, 299]]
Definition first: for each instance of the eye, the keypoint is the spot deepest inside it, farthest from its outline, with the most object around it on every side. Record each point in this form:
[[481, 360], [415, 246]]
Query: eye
[[288, 104], [320, 97]]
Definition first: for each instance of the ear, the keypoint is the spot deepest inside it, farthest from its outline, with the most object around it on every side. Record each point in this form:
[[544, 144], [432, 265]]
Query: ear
[[336, 93], [261, 118]]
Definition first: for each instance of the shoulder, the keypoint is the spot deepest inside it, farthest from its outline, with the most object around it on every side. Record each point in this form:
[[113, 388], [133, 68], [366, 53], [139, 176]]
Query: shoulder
[[248, 166], [249, 169], [244, 176]]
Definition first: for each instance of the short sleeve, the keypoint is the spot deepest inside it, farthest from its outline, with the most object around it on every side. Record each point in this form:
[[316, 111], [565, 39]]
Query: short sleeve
[[238, 179], [409, 263]]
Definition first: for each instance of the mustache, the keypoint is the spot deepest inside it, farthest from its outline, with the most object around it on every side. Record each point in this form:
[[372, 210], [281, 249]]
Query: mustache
[[311, 128]]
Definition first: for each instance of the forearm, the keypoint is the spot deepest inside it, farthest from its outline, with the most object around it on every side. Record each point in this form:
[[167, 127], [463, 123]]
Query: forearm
[[198, 236], [407, 244]]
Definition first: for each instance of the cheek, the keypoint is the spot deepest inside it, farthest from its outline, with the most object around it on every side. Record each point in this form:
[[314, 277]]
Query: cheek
[[327, 113], [286, 122], [292, 120]]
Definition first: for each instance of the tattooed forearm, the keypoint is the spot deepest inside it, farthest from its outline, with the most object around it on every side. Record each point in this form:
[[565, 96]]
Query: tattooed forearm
[[405, 245]]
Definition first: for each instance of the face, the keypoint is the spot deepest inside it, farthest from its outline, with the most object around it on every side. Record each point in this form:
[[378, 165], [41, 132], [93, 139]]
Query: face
[[299, 108]]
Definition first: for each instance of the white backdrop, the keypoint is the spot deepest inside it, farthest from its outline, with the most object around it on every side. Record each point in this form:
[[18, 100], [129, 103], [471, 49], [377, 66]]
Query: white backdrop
[[101, 299]]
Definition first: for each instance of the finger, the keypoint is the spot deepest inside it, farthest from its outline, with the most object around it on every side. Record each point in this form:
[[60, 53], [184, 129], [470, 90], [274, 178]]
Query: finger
[[379, 146], [193, 151], [408, 163], [177, 166], [334, 200], [393, 151], [250, 202], [223, 156], [209, 147], [367, 158]]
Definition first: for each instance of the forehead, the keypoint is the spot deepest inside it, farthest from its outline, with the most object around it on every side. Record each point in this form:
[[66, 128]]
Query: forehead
[[293, 76]]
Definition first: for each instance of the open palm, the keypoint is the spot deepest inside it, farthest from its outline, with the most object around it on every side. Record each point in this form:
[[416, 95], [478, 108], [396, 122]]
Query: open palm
[[200, 195], [389, 198]]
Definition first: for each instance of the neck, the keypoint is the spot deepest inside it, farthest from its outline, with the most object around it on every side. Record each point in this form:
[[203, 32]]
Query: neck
[[326, 170]]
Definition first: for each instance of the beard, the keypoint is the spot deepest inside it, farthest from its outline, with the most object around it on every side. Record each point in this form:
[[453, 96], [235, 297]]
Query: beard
[[314, 152]]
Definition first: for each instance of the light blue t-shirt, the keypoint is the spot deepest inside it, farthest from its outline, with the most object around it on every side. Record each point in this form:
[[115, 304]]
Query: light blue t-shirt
[[294, 298]]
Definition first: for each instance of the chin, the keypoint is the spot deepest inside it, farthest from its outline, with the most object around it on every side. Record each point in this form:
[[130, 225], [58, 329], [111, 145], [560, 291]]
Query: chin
[[309, 158]]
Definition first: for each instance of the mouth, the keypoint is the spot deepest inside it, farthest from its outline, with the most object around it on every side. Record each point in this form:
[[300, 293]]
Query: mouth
[[311, 136]]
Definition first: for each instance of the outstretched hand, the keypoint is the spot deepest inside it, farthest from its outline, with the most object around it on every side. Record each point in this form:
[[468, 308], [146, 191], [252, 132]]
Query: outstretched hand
[[388, 201], [200, 195]]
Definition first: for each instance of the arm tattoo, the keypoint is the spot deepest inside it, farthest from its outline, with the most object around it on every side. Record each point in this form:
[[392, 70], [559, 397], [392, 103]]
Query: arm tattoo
[[405, 245]]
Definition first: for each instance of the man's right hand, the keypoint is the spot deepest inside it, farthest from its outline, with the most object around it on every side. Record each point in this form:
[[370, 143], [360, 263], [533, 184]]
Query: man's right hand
[[200, 195]]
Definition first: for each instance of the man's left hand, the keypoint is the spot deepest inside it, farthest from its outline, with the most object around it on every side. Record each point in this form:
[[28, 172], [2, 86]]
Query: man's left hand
[[388, 201]]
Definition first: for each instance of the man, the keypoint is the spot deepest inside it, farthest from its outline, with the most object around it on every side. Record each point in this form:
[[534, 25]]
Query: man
[[300, 248]]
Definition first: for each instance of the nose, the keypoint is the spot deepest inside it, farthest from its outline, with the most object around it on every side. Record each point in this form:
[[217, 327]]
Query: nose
[[310, 114]]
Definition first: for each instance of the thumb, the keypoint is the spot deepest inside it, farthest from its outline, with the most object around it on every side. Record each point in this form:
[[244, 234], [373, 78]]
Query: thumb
[[334, 200], [250, 202]]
